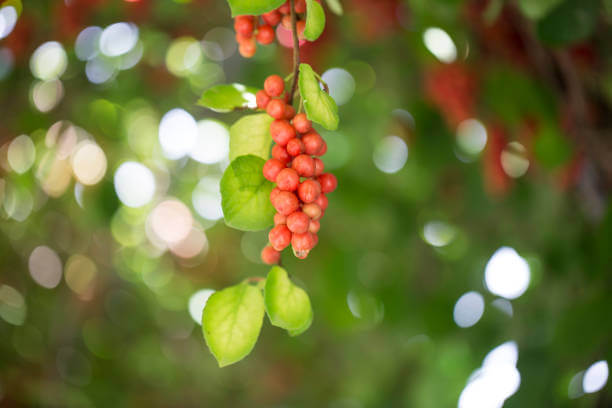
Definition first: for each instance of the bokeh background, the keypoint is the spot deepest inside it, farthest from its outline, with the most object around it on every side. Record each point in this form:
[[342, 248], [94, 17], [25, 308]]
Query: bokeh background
[[464, 260]]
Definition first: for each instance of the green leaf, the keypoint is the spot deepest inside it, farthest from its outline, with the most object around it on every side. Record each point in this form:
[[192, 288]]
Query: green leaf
[[315, 20], [245, 195], [287, 305], [231, 322], [319, 106], [251, 135], [226, 98], [335, 6], [253, 7], [536, 9], [14, 3], [572, 21], [551, 148]]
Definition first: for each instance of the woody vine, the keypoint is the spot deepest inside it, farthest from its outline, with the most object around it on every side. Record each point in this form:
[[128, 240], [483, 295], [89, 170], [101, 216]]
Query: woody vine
[[283, 185]]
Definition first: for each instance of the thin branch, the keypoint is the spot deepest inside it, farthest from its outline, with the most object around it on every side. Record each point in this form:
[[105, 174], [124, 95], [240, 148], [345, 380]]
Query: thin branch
[[296, 51]]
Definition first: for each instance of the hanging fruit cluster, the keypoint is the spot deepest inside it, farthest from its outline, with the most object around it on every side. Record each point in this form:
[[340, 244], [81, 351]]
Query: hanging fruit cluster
[[251, 30], [299, 196]]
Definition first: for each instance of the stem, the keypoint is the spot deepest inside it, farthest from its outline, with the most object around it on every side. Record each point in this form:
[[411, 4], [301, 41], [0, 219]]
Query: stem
[[296, 50]]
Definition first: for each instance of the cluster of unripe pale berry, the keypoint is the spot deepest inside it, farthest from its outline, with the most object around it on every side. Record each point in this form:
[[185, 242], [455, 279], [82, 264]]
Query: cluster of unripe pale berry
[[299, 196], [251, 30]]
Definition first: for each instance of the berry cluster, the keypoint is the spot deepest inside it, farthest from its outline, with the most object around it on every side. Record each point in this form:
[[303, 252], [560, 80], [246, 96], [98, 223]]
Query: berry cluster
[[251, 30], [299, 196]]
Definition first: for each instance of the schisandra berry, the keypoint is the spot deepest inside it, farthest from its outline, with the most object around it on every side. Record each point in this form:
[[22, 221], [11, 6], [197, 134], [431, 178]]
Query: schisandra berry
[[276, 109], [314, 226], [244, 25], [281, 131], [280, 237], [285, 8], [303, 242], [274, 85], [315, 239], [262, 99], [265, 34], [286, 21], [300, 254], [275, 191], [280, 219], [281, 154], [289, 112], [301, 123], [271, 169], [309, 190], [298, 222], [285, 202], [318, 166], [272, 17], [270, 256], [300, 6], [313, 143], [322, 202], [300, 26], [287, 180], [328, 182], [295, 147], [247, 49], [304, 165], [312, 210], [323, 149]]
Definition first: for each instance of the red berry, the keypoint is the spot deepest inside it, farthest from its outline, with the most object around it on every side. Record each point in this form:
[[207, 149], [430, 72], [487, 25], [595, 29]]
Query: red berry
[[244, 25], [328, 182], [300, 254], [274, 193], [265, 34], [274, 85], [276, 108], [318, 166], [313, 143], [300, 26], [262, 99], [322, 202], [323, 149], [280, 219], [272, 17], [285, 8], [287, 180], [280, 153], [304, 165], [303, 241], [272, 168], [241, 38], [289, 112], [280, 237], [270, 255], [314, 226], [286, 21], [301, 123], [312, 210], [247, 49], [315, 239], [298, 222], [281, 131], [295, 147], [300, 6], [285, 202], [309, 190]]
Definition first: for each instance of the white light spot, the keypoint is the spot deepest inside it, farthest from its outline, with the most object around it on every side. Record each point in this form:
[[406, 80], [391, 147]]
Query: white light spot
[[47, 94], [194, 244], [507, 274], [219, 44], [595, 377], [6, 62], [212, 145], [468, 309], [21, 154], [471, 136], [341, 84], [439, 43], [86, 44], [118, 39], [390, 154], [504, 305], [184, 56], [171, 221], [12, 305], [49, 61], [514, 159], [134, 184], [206, 198], [504, 354], [99, 70], [8, 19], [88, 163], [197, 301], [178, 133], [438, 233], [45, 267]]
